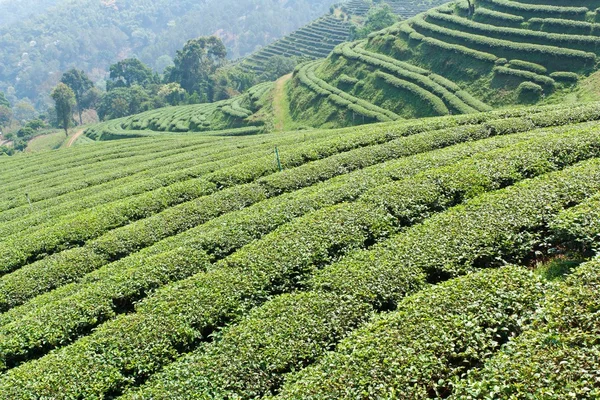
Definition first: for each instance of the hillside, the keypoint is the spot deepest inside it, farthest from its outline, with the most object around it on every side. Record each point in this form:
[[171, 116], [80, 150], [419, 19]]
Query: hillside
[[392, 258], [441, 62], [446, 61], [317, 39], [35, 50]]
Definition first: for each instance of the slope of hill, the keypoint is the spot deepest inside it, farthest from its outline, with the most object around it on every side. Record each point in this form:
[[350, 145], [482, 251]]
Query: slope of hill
[[207, 266], [317, 39], [447, 62], [35, 51]]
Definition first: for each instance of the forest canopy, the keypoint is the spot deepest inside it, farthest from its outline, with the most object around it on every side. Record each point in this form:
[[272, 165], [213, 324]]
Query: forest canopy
[[91, 35]]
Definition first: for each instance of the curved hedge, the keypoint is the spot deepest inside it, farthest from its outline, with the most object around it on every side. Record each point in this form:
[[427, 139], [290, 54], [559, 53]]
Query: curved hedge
[[557, 357]]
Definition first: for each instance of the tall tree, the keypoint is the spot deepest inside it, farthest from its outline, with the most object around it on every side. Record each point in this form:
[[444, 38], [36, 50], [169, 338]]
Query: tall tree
[[377, 18], [3, 101], [129, 72], [196, 63], [64, 98], [79, 83]]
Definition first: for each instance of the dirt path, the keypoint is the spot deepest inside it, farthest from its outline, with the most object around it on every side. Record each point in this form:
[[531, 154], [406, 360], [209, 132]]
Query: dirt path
[[279, 110], [74, 138]]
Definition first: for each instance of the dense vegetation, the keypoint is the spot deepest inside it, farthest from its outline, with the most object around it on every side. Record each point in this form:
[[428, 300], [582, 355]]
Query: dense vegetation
[[452, 59], [36, 50], [317, 39], [182, 265]]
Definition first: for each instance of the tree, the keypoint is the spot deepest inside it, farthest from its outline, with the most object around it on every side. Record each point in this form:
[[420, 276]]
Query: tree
[[3, 101], [471, 4], [79, 83], [129, 72], [121, 102], [196, 63], [278, 66], [377, 18], [64, 100], [5, 116]]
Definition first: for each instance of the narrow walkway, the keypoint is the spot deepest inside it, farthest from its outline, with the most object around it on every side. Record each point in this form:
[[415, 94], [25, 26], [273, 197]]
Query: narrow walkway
[[74, 138], [279, 102]]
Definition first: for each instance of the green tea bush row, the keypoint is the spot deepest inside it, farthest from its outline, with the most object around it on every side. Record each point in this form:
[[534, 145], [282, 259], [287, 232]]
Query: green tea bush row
[[240, 384], [495, 229], [433, 337], [527, 66], [347, 188], [547, 82], [435, 103], [128, 163], [580, 226], [569, 77], [424, 82], [486, 15], [537, 10], [557, 25], [307, 77], [256, 273], [551, 56], [459, 50], [176, 169], [557, 357], [579, 42]]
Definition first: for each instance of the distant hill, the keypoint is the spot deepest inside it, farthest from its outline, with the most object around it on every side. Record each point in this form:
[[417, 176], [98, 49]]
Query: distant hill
[[438, 63], [92, 34], [318, 39], [447, 62]]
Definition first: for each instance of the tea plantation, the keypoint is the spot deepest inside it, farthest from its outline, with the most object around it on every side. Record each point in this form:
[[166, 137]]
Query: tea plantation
[[448, 257], [453, 59]]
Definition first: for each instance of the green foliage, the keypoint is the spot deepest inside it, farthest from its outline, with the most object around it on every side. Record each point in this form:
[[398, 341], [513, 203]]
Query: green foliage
[[91, 35], [557, 356], [433, 338], [210, 243], [195, 63], [3, 101], [377, 18], [64, 100], [122, 101], [276, 67], [529, 92], [80, 84]]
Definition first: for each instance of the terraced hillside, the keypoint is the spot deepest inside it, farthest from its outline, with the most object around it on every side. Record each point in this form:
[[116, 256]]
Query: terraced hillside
[[192, 266], [453, 60], [317, 39], [234, 116]]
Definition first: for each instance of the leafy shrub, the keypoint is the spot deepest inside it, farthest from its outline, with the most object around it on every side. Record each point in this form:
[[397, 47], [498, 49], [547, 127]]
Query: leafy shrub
[[529, 93]]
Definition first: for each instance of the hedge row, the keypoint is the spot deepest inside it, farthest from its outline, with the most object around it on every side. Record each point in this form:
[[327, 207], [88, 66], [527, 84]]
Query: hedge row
[[255, 379], [308, 78], [498, 228], [547, 82], [433, 337], [461, 51], [436, 104], [527, 66], [124, 164], [215, 293], [237, 378], [558, 357], [579, 42], [580, 226], [424, 82], [535, 10], [175, 169], [557, 25], [252, 357], [208, 239], [554, 57]]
